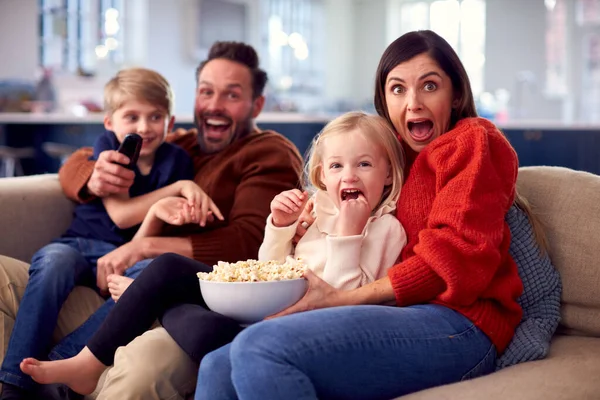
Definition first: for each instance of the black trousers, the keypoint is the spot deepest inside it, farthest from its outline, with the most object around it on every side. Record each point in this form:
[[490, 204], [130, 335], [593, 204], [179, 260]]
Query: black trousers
[[167, 290]]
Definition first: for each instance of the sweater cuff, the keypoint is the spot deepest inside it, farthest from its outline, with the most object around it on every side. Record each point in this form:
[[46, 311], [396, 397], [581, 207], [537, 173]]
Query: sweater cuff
[[414, 282], [283, 233], [80, 181]]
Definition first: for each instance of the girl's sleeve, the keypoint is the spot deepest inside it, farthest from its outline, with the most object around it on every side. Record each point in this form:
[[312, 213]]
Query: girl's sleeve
[[353, 261], [277, 243]]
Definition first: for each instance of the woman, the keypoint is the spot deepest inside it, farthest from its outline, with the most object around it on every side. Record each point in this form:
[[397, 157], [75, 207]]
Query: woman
[[455, 287]]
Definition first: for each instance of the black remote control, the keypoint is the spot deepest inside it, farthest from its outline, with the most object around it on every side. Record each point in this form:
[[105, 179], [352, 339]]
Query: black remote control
[[131, 146]]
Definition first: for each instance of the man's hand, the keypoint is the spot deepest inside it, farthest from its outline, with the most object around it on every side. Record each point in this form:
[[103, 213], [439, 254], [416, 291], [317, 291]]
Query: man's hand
[[199, 201], [117, 261], [109, 177], [287, 206], [177, 211], [354, 215]]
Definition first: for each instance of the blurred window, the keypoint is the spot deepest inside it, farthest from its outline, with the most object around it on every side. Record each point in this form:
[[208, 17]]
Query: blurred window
[[293, 45], [460, 22], [75, 34], [556, 47]]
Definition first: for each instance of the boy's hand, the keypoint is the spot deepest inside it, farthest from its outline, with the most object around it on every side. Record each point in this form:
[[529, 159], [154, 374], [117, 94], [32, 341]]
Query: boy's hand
[[109, 177], [177, 211], [199, 201], [354, 214], [287, 206]]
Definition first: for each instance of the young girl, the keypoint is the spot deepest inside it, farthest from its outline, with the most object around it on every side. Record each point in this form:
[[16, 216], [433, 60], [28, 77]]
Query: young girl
[[356, 167]]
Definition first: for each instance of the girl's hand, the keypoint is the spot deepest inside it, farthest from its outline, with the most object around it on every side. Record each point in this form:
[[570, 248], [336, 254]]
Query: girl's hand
[[354, 215], [287, 206], [320, 294], [199, 201]]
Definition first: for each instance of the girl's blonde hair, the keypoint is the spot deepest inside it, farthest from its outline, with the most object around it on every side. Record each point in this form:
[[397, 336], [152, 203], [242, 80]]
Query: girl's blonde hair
[[374, 128], [140, 84]]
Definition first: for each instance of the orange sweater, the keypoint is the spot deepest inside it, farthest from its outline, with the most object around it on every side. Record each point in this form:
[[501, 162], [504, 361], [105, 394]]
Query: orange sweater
[[452, 206], [242, 180]]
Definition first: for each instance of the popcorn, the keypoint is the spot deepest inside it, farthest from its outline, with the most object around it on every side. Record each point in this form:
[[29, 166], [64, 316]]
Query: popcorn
[[255, 271]]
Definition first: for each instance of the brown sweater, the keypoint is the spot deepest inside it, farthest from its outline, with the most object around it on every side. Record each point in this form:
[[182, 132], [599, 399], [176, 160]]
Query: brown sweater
[[242, 180]]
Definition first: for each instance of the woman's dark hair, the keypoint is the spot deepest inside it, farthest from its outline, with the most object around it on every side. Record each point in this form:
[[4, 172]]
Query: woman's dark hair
[[416, 43], [413, 44], [240, 53]]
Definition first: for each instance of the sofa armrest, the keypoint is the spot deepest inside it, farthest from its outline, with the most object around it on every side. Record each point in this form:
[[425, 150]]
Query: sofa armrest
[[33, 211]]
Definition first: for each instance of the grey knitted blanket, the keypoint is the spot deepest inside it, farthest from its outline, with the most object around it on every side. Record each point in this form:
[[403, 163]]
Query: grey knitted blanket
[[540, 299]]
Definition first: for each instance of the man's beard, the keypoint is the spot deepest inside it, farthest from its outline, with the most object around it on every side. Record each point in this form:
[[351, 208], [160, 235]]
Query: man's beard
[[242, 129]]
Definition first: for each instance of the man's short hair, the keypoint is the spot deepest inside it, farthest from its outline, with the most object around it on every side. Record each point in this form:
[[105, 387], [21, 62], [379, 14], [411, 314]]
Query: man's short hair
[[240, 53], [139, 84]]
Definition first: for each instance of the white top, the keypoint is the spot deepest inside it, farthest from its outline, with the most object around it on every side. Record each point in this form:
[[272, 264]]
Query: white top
[[345, 262]]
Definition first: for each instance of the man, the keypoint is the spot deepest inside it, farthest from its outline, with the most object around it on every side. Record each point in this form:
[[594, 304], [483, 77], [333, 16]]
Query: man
[[239, 167]]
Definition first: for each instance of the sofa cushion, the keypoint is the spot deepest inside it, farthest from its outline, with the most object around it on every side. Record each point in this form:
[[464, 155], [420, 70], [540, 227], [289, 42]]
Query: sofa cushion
[[568, 203], [33, 211], [569, 372], [540, 300]]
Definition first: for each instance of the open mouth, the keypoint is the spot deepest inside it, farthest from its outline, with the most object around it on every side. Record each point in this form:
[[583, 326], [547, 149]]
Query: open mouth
[[214, 128], [350, 194], [420, 130]]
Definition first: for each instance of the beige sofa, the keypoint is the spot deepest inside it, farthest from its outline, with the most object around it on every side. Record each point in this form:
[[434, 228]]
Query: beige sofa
[[33, 211]]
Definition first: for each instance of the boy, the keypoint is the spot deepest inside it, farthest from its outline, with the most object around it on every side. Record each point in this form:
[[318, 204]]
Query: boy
[[136, 101]]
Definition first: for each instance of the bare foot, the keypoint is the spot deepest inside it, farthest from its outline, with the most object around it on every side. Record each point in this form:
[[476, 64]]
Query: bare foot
[[80, 373], [117, 285]]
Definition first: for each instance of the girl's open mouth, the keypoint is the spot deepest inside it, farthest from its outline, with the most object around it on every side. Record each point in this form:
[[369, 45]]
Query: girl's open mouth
[[350, 194]]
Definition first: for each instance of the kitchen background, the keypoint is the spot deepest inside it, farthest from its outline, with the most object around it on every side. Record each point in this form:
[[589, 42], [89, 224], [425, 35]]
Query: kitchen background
[[534, 64]]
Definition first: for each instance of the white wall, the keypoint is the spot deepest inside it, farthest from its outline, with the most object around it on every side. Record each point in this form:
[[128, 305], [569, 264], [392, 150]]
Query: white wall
[[355, 39], [340, 50], [515, 41], [370, 34], [171, 46], [18, 38]]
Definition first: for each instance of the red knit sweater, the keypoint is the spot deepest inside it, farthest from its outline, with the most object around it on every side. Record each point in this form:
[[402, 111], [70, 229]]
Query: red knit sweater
[[452, 206]]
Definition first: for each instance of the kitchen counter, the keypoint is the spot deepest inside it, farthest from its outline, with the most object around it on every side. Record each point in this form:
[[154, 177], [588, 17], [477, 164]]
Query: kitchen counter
[[572, 145]]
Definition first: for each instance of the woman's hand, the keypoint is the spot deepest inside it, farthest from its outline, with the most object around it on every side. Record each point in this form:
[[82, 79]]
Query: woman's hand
[[198, 200], [320, 294], [306, 219]]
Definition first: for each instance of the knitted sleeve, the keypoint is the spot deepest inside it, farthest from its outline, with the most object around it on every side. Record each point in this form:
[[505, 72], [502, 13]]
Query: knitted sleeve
[[75, 173], [461, 249]]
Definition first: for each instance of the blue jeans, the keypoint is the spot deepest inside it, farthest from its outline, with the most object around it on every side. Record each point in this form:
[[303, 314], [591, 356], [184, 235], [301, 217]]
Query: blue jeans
[[355, 352], [55, 270]]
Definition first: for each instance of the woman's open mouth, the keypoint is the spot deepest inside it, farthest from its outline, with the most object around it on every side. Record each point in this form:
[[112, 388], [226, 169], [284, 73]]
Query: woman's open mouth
[[420, 130]]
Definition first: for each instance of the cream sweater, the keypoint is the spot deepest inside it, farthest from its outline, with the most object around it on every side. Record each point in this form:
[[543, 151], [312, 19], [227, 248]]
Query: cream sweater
[[345, 262]]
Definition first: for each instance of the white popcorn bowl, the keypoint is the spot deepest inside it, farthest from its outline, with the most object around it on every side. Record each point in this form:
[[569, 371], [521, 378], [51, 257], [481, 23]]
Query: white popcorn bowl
[[249, 302]]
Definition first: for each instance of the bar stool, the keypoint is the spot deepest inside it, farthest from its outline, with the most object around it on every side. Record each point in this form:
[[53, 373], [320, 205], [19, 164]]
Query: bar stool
[[59, 151], [10, 160]]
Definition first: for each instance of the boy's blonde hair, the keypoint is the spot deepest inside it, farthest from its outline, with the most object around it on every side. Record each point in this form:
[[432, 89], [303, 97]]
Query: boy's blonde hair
[[374, 128], [138, 84]]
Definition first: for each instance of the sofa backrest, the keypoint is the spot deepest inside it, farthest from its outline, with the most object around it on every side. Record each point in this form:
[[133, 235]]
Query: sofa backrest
[[33, 211], [568, 204]]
